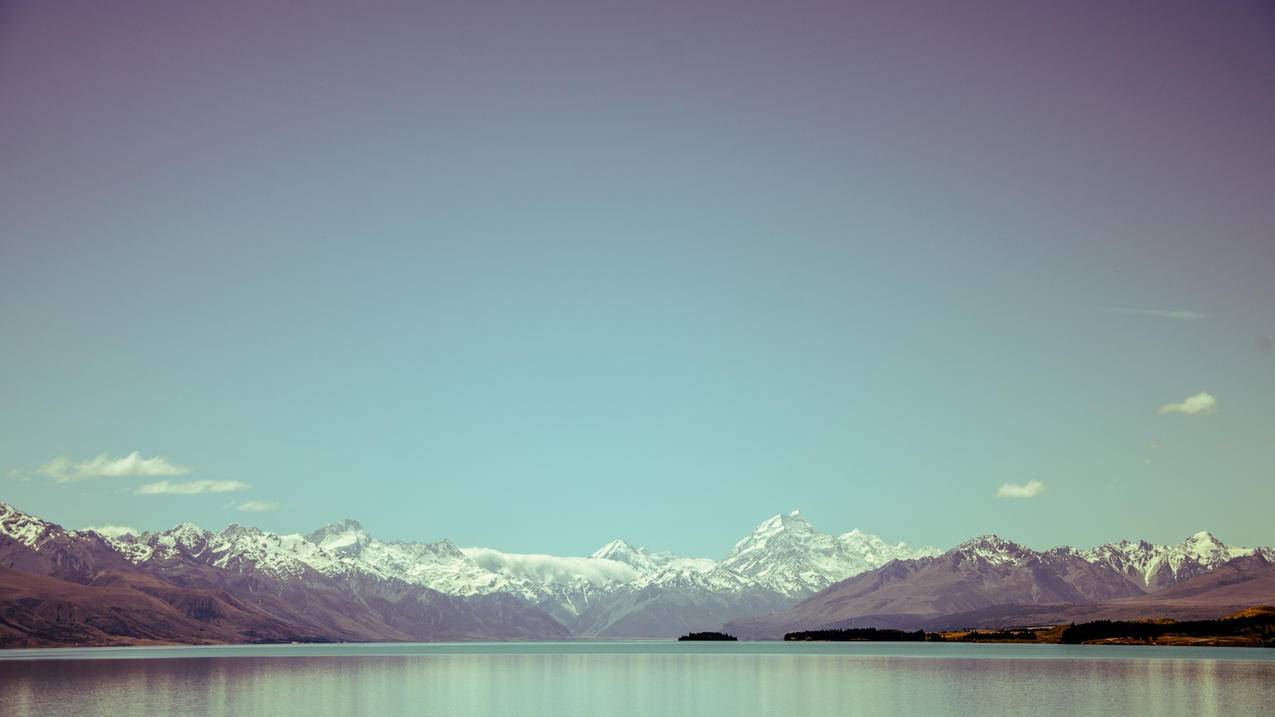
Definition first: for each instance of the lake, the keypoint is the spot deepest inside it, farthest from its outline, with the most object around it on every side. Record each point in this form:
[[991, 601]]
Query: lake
[[639, 678]]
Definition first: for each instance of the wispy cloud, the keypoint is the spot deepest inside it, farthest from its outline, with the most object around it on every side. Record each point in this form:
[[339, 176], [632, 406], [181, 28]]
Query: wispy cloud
[[64, 470], [114, 531], [191, 487], [1201, 404], [257, 506], [1030, 489], [551, 568], [1160, 313]]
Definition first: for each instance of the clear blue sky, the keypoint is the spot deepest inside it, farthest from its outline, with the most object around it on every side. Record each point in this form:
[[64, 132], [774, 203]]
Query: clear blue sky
[[535, 278]]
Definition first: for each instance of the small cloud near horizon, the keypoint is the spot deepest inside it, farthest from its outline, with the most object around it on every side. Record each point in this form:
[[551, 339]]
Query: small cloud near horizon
[[64, 470], [257, 506], [192, 487], [114, 531], [1159, 313], [1201, 404], [1030, 489]]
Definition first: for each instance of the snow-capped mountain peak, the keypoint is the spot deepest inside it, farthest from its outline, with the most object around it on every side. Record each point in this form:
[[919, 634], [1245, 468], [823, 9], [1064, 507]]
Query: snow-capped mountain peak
[[647, 562], [621, 589], [789, 555], [23, 527], [793, 522], [346, 537], [439, 565], [1205, 547], [1154, 566], [622, 551], [186, 535], [993, 549]]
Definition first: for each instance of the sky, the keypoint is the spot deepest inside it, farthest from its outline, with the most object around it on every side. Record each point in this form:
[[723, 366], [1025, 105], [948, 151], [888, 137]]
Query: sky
[[534, 276]]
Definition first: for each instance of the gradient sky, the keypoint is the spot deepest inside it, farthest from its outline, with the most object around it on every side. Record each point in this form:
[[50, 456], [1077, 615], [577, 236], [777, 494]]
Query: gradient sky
[[534, 276]]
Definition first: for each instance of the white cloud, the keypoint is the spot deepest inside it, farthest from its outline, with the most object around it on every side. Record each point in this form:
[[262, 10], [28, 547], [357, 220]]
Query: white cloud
[[257, 506], [1160, 313], [1200, 404], [191, 487], [64, 470], [1030, 489], [114, 531], [551, 568]]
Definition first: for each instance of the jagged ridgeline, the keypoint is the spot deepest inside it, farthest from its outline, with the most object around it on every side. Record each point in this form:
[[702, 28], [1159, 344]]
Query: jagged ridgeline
[[341, 583], [621, 590], [990, 583]]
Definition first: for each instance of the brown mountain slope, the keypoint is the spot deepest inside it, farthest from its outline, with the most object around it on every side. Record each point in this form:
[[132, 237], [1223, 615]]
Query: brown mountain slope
[[981, 574], [37, 610], [358, 607], [64, 587], [1242, 581], [1231, 587], [908, 597]]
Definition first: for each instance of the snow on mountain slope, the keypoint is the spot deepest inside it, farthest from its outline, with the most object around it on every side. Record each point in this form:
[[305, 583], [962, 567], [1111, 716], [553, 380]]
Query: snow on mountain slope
[[784, 555], [562, 586], [647, 562], [565, 586], [283, 556], [992, 549], [346, 538], [783, 559], [31, 544], [1158, 566], [187, 584], [622, 589], [787, 554], [988, 574], [1150, 567], [23, 527], [674, 602], [238, 549], [439, 565]]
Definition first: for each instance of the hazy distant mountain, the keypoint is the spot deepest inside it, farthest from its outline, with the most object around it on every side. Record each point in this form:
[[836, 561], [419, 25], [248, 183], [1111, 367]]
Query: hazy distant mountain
[[989, 577]]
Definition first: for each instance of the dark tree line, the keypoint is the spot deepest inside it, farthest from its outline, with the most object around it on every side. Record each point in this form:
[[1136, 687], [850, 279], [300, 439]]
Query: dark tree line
[[1261, 626], [856, 634], [998, 635], [707, 636]]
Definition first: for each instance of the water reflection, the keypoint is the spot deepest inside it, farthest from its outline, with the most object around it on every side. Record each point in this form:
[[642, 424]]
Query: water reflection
[[635, 684]]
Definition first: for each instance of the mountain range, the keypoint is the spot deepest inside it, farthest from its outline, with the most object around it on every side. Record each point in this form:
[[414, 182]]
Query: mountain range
[[340, 583], [993, 582]]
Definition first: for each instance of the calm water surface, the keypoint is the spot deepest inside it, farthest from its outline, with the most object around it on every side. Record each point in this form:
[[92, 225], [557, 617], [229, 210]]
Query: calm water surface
[[639, 678]]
